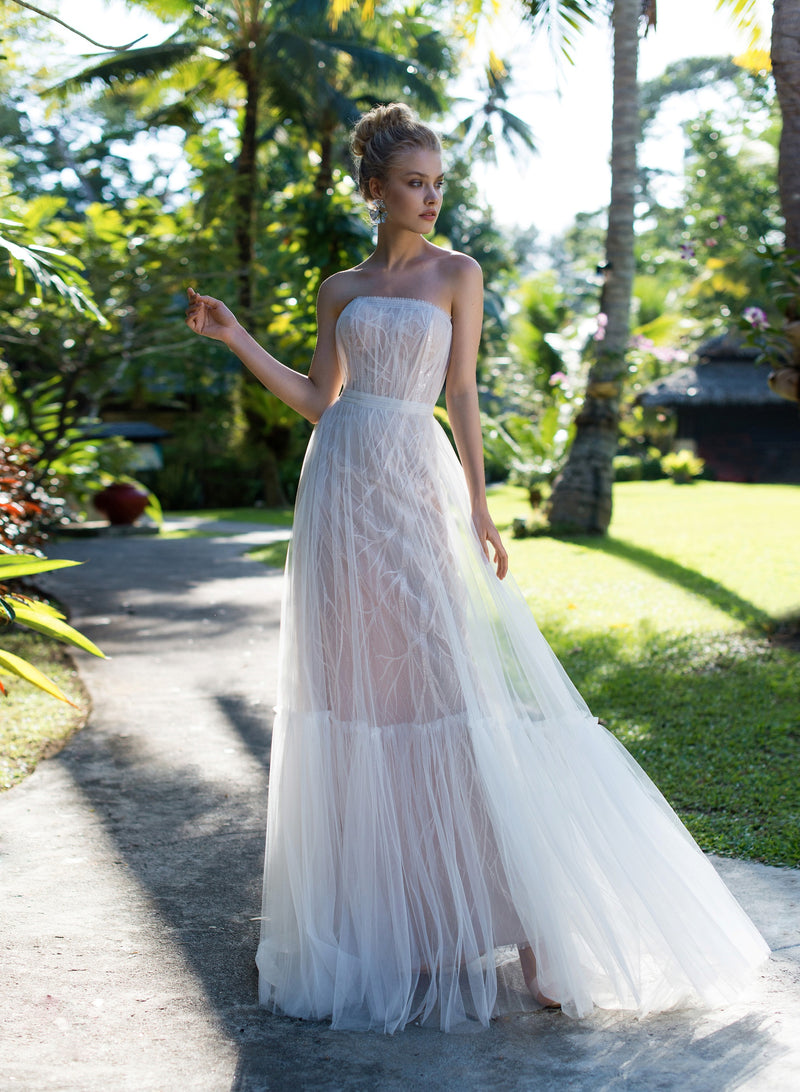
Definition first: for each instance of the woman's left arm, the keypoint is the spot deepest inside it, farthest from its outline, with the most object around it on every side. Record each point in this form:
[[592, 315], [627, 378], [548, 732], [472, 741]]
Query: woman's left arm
[[461, 394]]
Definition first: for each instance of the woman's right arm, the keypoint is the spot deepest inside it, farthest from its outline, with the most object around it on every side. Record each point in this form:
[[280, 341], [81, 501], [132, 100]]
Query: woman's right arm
[[309, 394]]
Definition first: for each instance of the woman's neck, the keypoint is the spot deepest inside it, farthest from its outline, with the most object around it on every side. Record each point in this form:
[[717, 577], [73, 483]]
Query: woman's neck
[[397, 249]]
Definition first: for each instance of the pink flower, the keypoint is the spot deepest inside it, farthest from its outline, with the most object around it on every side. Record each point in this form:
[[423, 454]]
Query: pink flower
[[555, 378], [639, 341], [602, 322], [711, 242], [756, 317]]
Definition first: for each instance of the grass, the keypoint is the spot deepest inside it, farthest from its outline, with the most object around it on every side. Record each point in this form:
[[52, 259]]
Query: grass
[[32, 724], [665, 628], [278, 517], [714, 555], [273, 555]]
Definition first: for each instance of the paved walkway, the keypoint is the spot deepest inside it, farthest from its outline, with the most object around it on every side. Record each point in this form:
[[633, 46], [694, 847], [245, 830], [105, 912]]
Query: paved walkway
[[131, 884]]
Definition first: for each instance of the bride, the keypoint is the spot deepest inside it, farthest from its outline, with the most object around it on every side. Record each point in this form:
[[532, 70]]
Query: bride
[[445, 816]]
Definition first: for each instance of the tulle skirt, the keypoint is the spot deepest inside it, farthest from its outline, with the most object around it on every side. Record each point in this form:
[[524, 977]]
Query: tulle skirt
[[439, 791]]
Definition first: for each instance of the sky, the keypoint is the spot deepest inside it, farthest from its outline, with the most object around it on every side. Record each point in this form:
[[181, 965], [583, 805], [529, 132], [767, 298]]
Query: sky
[[567, 106]]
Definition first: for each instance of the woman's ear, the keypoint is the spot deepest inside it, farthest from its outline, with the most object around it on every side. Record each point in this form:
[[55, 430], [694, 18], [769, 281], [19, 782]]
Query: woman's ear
[[375, 189]]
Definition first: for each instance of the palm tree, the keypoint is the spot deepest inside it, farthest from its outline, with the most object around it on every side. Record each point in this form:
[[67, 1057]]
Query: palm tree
[[279, 61], [582, 494], [786, 70], [785, 380]]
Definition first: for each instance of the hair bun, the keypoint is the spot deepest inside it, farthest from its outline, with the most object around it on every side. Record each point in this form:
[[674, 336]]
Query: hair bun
[[396, 116], [382, 134]]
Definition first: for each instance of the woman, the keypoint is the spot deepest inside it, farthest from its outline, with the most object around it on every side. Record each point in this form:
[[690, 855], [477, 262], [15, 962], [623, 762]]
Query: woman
[[440, 797]]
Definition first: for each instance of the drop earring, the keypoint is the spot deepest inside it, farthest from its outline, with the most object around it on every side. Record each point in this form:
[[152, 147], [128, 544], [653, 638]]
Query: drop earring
[[377, 212]]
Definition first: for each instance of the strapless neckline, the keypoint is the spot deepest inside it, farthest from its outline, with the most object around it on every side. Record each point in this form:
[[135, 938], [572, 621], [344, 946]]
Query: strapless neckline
[[399, 299]]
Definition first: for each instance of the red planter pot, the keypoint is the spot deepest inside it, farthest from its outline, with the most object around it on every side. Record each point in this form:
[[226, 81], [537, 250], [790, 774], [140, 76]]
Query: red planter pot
[[121, 503]]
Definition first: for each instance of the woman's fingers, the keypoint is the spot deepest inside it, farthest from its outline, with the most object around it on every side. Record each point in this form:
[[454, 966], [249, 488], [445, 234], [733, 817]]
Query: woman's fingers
[[488, 535], [196, 311], [500, 553]]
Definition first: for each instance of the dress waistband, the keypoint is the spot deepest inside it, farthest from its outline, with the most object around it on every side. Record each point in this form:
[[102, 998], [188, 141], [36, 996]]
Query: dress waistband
[[377, 401]]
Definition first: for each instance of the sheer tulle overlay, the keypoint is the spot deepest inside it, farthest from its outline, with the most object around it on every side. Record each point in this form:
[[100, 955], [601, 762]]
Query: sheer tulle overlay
[[439, 791]]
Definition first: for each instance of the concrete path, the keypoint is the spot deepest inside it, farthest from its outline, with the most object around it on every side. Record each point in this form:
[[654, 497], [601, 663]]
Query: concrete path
[[131, 880]]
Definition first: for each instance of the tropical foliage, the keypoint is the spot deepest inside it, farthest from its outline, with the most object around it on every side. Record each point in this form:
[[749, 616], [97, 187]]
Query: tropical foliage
[[259, 98], [35, 614], [256, 205]]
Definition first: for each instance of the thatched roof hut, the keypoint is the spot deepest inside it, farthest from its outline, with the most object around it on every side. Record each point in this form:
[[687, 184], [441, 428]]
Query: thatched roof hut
[[727, 413]]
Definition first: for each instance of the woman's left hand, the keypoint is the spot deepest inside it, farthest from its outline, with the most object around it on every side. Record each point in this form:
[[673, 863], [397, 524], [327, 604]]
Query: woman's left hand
[[488, 535]]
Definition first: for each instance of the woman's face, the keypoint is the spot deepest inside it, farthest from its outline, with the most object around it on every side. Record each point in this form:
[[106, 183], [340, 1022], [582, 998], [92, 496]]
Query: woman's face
[[412, 191]]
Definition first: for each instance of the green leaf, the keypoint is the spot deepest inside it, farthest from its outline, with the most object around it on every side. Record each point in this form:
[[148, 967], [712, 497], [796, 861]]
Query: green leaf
[[17, 666], [44, 622], [45, 608], [14, 565]]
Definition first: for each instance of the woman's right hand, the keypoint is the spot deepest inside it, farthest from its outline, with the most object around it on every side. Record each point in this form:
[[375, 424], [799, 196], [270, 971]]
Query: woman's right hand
[[209, 317]]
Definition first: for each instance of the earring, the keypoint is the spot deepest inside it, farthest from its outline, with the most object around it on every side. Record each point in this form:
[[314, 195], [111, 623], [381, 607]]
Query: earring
[[377, 212]]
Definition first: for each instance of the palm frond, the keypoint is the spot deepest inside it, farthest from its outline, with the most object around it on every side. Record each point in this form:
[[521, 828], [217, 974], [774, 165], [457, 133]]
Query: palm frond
[[564, 20], [148, 61], [50, 268]]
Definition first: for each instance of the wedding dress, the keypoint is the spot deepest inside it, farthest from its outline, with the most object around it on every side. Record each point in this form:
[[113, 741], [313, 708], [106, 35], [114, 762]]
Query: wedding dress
[[439, 791]]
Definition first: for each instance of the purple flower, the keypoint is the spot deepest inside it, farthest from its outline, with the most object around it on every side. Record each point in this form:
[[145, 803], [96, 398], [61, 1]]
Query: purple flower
[[722, 219], [687, 250], [756, 317]]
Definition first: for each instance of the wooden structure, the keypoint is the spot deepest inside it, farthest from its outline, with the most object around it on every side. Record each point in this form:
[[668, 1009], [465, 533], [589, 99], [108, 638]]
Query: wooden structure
[[728, 415]]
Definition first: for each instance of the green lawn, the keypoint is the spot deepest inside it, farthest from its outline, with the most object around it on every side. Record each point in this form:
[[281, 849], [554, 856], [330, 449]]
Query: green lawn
[[278, 517], [665, 627]]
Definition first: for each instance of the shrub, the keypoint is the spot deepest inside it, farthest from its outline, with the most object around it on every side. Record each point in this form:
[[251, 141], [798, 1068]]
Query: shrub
[[627, 468], [645, 465], [28, 502], [682, 466]]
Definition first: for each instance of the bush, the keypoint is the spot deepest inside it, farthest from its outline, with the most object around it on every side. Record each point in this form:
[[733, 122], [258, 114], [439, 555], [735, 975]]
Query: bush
[[28, 504], [637, 468], [627, 468], [682, 466]]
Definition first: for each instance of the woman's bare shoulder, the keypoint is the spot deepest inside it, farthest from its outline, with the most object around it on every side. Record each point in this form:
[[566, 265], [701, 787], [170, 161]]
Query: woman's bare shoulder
[[456, 270], [462, 268], [337, 290]]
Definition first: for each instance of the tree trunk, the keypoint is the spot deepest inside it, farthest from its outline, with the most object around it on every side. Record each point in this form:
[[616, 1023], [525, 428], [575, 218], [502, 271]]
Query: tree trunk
[[786, 69], [582, 493], [245, 212], [246, 186]]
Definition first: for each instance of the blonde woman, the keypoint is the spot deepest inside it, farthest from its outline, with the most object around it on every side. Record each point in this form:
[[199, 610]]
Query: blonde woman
[[450, 833]]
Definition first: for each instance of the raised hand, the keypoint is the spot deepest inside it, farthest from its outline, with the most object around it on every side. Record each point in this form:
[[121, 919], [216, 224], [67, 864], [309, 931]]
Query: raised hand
[[209, 317]]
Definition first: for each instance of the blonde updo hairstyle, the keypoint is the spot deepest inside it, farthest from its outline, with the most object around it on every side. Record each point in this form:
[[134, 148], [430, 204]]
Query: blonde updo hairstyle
[[383, 134]]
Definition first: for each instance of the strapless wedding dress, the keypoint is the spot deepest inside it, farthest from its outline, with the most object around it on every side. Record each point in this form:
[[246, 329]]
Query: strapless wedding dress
[[439, 791]]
